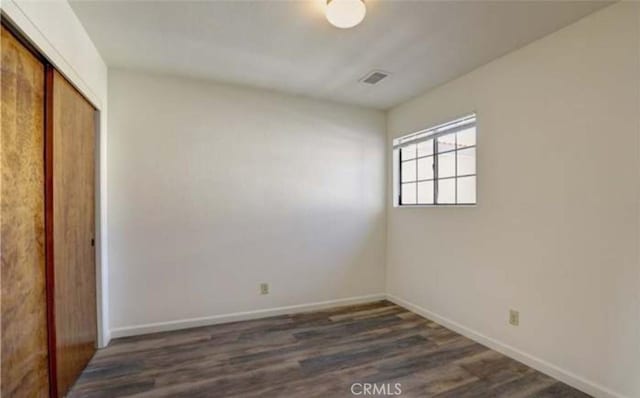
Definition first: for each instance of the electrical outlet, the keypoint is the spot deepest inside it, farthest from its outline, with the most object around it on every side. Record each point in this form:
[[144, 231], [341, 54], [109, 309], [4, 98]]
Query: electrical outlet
[[264, 288], [514, 317]]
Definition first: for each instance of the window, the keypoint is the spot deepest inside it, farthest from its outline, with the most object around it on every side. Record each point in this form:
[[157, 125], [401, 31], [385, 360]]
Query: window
[[437, 166]]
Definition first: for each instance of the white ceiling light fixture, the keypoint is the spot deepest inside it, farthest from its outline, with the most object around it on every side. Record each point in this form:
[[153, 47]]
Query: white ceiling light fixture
[[345, 14]]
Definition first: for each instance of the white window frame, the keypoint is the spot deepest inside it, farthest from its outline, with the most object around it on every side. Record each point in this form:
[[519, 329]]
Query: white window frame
[[443, 129]]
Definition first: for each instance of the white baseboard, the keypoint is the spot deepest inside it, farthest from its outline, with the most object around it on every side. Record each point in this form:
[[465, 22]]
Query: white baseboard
[[554, 371], [239, 316]]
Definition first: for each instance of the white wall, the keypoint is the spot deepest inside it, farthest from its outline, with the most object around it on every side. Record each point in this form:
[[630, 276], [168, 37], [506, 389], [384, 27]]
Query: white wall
[[555, 233], [214, 189], [56, 32]]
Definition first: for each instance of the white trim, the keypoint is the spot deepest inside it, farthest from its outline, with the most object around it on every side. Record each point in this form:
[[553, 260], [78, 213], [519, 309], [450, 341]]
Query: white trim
[[396, 206], [20, 14], [39, 39], [106, 339], [239, 316], [541, 365]]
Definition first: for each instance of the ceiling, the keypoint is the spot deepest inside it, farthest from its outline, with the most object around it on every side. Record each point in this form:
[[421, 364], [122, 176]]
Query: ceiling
[[288, 45]]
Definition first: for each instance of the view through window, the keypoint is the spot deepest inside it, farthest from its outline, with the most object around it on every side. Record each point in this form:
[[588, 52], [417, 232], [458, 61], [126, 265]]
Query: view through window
[[437, 166]]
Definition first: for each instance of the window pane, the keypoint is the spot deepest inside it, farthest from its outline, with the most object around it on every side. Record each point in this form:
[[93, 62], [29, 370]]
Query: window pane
[[447, 191], [467, 161], [441, 170], [408, 152], [446, 142], [425, 148], [467, 137], [425, 193], [425, 168], [409, 171], [467, 190], [447, 165], [408, 194]]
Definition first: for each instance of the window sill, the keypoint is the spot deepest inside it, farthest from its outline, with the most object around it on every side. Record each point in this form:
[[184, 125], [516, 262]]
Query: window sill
[[431, 206]]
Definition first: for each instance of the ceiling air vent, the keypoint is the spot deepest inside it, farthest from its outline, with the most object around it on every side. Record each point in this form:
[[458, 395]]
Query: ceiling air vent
[[374, 77]]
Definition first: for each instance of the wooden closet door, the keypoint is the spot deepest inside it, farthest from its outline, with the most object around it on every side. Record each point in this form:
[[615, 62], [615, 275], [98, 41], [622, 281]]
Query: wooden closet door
[[73, 231], [24, 316]]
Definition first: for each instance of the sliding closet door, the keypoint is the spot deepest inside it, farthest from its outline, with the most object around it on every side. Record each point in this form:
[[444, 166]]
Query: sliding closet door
[[24, 315], [73, 231]]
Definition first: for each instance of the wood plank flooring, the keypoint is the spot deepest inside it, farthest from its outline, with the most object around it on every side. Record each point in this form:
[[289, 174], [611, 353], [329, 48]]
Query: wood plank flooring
[[318, 354]]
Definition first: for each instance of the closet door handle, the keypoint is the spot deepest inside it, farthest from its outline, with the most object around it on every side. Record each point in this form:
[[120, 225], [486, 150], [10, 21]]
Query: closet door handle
[[93, 242]]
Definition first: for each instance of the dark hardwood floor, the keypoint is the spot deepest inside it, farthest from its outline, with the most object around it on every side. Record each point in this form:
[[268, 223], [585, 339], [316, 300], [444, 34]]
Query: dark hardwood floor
[[317, 354]]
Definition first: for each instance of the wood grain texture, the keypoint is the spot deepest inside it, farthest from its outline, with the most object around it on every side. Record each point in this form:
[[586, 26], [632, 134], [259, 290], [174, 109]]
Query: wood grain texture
[[48, 228], [73, 225], [24, 331], [318, 354]]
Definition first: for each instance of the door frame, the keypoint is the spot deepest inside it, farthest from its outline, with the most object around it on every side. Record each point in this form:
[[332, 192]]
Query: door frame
[[50, 69], [87, 72]]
